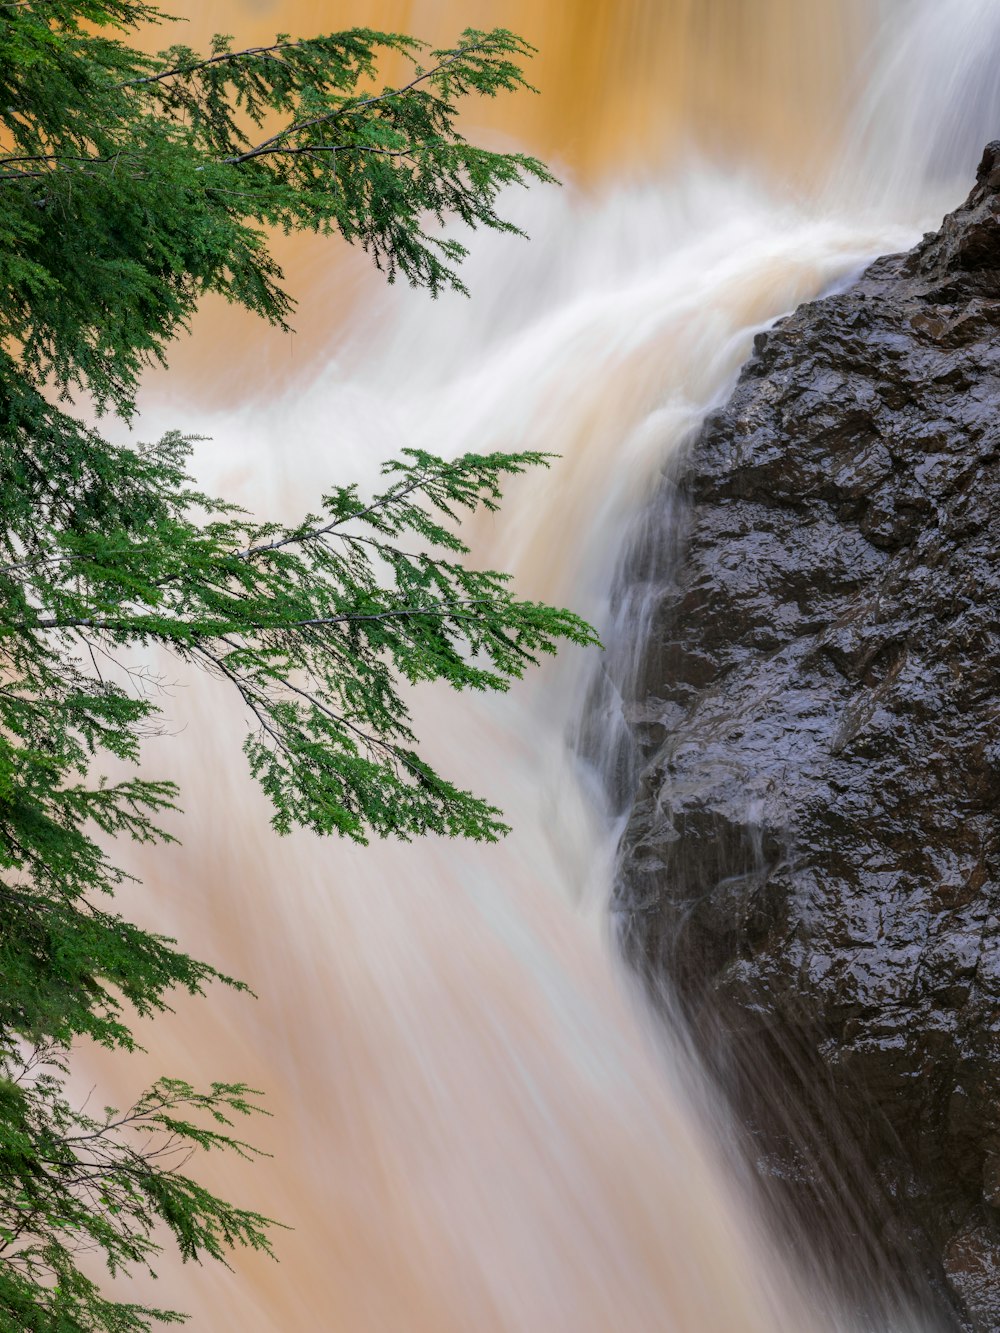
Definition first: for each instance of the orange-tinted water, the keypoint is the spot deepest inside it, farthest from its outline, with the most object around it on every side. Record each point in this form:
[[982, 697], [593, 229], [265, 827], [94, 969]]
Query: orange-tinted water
[[474, 1127], [623, 88]]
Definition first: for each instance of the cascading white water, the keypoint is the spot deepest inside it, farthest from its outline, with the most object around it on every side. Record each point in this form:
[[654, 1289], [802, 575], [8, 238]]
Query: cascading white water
[[930, 106], [473, 1130]]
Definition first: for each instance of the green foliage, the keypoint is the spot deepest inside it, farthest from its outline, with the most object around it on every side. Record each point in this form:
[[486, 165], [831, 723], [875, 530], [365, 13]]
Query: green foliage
[[133, 184], [130, 185], [70, 1180]]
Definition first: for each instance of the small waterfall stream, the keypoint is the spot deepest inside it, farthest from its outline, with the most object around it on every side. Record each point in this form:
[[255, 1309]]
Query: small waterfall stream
[[476, 1125]]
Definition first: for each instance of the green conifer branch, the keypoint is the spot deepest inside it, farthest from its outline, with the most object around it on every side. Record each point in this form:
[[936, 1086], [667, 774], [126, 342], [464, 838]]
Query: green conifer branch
[[131, 185]]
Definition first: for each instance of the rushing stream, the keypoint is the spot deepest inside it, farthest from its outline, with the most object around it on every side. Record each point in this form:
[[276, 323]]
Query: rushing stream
[[475, 1126]]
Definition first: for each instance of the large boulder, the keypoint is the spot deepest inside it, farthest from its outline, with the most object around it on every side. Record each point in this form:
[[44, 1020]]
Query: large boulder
[[811, 869]]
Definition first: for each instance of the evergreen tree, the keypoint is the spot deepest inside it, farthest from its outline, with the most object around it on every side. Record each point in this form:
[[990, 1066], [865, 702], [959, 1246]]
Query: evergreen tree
[[131, 184]]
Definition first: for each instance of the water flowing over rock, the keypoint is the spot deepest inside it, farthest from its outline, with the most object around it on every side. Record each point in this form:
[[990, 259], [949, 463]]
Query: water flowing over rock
[[812, 861]]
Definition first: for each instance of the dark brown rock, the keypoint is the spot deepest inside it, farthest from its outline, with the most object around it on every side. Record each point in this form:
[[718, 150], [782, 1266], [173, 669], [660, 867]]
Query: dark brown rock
[[813, 855]]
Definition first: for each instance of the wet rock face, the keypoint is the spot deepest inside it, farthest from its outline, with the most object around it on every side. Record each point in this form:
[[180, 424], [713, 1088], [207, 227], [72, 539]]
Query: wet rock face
[[813, 856]]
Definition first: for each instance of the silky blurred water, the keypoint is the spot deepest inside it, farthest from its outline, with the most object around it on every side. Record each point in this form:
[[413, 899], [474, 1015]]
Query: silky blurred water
[[476, 1126]]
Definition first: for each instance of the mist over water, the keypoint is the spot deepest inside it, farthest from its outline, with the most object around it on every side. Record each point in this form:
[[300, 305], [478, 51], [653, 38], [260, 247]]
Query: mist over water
[[476, 1127]]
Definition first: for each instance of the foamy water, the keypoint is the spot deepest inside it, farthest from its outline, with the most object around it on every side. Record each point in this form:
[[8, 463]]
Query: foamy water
[[474, 1127]]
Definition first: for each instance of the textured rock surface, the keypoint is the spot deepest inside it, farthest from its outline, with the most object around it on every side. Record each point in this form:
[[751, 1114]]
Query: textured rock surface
[[813, 856]]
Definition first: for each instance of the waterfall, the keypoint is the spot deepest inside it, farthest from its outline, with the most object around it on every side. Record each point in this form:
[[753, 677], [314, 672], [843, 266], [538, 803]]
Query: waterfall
[[475, 1125]]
